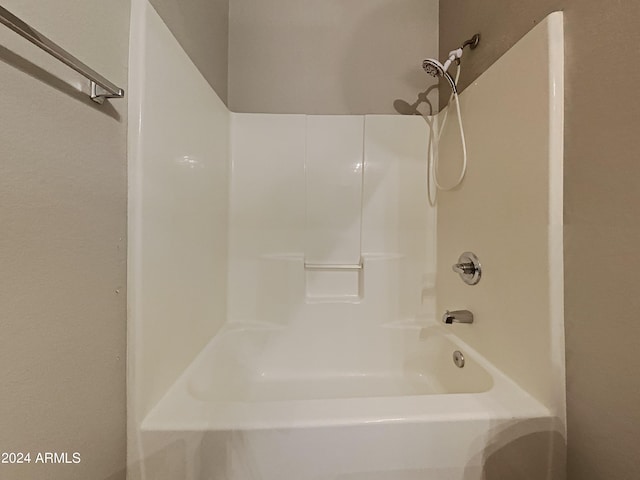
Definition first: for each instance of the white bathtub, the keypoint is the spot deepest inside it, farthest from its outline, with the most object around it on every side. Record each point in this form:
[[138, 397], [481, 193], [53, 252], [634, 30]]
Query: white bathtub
[[237, 408]]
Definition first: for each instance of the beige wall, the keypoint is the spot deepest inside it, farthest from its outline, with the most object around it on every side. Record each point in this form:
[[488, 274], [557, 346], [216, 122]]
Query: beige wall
[[63, 206], [202, 28], [329, 56], [601, 203], [312, 56]]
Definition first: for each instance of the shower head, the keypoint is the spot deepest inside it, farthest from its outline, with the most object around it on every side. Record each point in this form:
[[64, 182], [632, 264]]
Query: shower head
[[434, 68]]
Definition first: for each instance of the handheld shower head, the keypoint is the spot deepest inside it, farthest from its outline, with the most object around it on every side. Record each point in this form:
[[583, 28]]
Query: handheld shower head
[[434, 68]]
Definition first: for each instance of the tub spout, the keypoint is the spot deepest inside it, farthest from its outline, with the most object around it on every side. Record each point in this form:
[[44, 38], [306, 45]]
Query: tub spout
[[457, 316]]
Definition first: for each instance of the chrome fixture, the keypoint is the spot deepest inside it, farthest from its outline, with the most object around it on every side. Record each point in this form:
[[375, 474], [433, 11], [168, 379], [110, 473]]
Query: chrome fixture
[[469, 268], [436, 69], [457, 316], [472, 43], [458, 359], [101, 88]]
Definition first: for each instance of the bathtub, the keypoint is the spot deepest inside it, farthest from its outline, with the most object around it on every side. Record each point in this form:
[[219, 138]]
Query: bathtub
[[405, 412]]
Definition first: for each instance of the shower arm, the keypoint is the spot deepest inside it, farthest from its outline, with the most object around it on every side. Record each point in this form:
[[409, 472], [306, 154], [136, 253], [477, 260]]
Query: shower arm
[[472, 43]]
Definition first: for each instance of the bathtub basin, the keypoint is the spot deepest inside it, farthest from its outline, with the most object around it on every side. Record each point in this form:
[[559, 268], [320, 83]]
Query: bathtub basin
[[252, 377], [259, 404]]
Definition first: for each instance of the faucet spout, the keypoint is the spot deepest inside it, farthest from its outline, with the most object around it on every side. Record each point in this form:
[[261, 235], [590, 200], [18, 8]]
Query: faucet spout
[[457, 316]]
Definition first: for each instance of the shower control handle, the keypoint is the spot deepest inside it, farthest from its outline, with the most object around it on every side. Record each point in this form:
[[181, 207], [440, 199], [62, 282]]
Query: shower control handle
[[464, 268], [468, 267]]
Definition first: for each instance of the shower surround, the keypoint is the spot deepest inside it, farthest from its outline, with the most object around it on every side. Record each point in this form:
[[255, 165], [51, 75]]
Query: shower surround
[[283, 282]]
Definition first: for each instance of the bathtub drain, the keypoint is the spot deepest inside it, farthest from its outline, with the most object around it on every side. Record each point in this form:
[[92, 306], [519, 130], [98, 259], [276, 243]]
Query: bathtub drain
[[458, 358]]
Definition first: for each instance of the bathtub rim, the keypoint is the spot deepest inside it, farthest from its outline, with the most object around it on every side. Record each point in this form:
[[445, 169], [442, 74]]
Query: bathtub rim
[[179, 410]]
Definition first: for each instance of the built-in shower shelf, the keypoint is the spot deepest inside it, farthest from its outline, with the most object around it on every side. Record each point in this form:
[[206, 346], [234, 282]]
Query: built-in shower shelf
[[330, 266]]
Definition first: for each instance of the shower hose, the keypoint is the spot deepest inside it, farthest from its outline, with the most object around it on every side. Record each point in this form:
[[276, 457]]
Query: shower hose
[[436, 161]]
